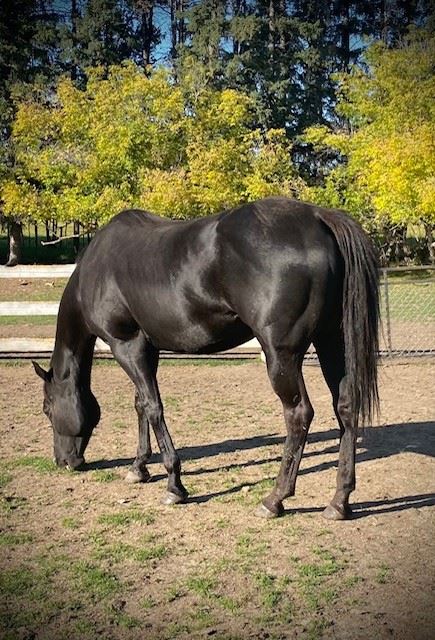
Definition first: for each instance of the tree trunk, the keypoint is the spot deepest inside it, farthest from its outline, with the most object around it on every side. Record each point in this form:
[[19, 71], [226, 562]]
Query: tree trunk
[[15, 243], [74, 18], [178, 32], [147, 34], [76, 241], [345, 36]]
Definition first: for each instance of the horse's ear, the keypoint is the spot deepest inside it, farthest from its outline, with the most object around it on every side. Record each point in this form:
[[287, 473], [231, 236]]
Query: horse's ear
[[45, 375]]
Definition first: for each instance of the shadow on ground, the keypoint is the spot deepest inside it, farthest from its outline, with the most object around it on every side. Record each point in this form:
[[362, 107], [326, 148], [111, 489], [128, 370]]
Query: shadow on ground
[[379, 442]]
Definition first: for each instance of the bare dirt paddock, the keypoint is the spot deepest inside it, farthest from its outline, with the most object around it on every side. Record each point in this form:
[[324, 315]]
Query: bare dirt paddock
[[85, 555]]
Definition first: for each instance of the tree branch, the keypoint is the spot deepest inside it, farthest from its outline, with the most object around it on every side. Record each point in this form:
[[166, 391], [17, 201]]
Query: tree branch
[[74, 235]]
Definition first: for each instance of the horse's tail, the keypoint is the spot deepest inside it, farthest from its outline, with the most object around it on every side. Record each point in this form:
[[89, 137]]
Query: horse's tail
[[360, 310]]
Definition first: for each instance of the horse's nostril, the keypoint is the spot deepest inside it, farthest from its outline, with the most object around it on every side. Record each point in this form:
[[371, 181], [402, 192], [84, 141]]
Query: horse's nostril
[[76, 465]]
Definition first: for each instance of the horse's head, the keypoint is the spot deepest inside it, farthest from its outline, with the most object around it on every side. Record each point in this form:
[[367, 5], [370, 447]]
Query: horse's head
[[73, 413]]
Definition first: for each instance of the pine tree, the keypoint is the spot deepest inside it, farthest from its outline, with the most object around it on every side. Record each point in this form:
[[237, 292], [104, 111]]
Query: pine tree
[[28, 54]]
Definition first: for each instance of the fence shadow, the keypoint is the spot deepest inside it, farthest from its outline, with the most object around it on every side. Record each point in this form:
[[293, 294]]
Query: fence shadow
[[383, 442], [376, 443], [379, 442], [198, 452]]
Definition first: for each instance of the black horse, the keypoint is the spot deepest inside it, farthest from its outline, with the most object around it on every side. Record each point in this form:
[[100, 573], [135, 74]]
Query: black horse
[[286, 272]]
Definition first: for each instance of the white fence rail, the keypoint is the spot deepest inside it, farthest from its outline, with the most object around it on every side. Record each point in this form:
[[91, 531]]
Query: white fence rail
[[37, 271], [42, 347], [407, 312]]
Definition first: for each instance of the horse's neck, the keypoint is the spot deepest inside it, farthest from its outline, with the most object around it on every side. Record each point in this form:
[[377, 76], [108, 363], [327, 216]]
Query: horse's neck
[[74, 345]]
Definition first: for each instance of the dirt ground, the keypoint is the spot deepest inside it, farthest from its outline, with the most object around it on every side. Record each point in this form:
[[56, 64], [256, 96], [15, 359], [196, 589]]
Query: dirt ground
[[85, 555]]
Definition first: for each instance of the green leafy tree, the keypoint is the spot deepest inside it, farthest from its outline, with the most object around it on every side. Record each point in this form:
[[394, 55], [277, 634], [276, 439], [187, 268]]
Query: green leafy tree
[[132, 139], [388, 176]]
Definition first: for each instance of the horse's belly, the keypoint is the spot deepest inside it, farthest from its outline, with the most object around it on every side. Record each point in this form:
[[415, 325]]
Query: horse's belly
[[200, 338]]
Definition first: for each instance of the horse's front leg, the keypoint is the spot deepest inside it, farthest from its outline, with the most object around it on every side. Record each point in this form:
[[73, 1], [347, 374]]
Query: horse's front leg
[[140, 360], [138, 471]]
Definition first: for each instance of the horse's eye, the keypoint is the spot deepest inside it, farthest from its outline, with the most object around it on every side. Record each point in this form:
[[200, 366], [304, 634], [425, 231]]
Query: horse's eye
[[46, 406]]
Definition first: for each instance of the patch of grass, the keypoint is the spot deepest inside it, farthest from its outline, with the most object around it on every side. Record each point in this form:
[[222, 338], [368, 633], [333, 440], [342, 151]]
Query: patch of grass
[[119, 425], [313, 571], [9, 539], [5, 478], [152, 552], [201, 585], [147, 603], [44, 290], [104, 475], [51, 563], [314, 579], [25, 364], [316, 629], [174, 629], [10, 503], [258, 491], [351, 581], [174, 592], [122, 619], [119, 551], [223, 523], [96, 582], [171, 401], [271, 589], [250, 548], [39, 463], [125, 518], [28, 320], [16, 582], [27, 597], [411, 300], [114, 552], [201, 618], [70, 523], [230, 604], [383, 574], [84, 627]]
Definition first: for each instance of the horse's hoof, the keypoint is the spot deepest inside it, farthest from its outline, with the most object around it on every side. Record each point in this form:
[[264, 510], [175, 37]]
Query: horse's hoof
[[134, 477], [173, 498], [264, 512], [332, 513]]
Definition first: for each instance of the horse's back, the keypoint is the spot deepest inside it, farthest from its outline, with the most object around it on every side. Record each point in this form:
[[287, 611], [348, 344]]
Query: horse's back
[[209, 283]]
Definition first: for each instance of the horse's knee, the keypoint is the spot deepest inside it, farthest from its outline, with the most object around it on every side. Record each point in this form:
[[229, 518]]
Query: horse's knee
[[299, 412], [306, 413], [154, 411], [139, 405]]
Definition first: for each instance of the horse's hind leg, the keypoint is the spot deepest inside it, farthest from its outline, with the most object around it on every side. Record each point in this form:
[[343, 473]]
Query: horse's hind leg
[[140, 360], [284, 369], [138, 471], [330, 350]]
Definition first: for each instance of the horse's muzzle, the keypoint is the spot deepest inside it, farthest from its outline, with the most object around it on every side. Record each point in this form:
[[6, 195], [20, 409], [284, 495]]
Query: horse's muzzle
[[72, 464]]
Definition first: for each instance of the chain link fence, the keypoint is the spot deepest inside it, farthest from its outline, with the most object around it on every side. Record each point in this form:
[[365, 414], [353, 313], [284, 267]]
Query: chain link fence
[[407, 311]]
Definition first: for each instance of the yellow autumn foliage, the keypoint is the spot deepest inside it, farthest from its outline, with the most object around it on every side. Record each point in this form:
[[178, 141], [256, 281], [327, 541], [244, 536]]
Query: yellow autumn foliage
[[140, 139], [390, 146]]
